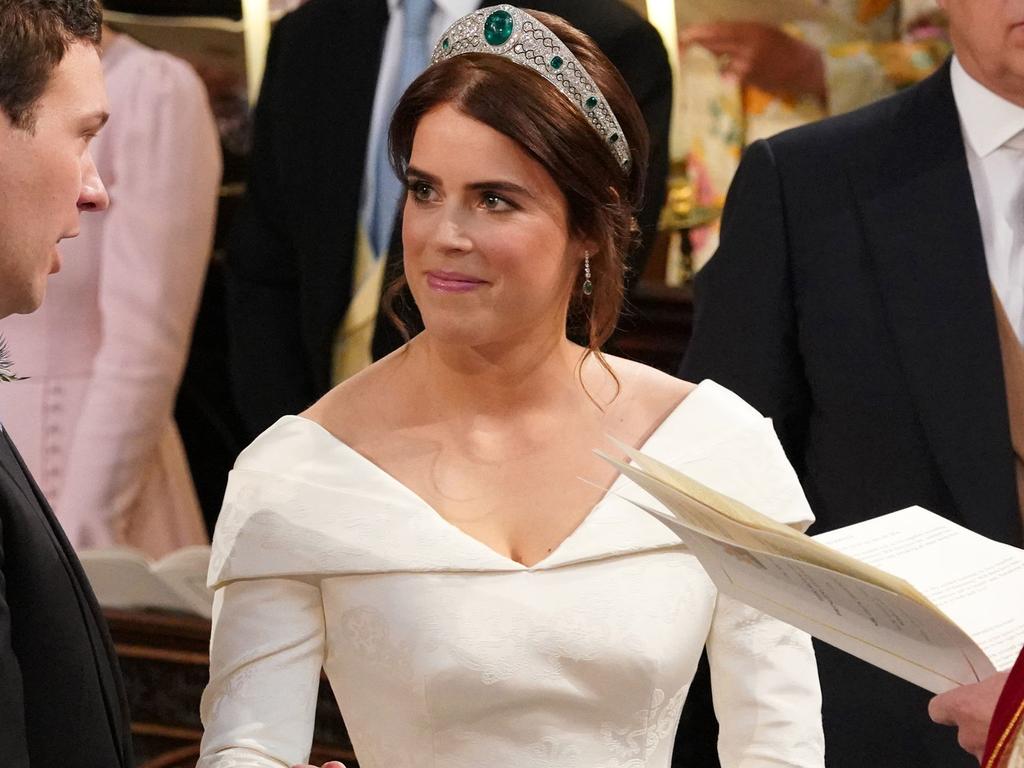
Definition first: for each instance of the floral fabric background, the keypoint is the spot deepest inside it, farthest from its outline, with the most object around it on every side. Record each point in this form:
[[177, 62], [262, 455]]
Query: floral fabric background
[[883, 45]]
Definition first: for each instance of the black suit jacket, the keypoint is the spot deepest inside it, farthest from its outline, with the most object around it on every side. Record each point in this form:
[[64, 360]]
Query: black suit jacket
[[62, 702], [850, 301], [289, 270]]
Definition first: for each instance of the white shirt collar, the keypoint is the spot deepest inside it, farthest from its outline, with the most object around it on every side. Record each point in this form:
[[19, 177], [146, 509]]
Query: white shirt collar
[[987, 119]]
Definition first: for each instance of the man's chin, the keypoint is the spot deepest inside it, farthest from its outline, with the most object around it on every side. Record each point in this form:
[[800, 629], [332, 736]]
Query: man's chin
[[20, 305]]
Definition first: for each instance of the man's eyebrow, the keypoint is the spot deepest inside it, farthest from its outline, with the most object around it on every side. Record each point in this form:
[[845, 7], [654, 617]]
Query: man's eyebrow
[[100, 117]]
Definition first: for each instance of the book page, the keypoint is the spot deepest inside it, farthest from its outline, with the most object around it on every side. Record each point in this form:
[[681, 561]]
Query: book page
[[121, 578], [888, 630], [854, 605], [184, 571], [712, 512], [977, 582]]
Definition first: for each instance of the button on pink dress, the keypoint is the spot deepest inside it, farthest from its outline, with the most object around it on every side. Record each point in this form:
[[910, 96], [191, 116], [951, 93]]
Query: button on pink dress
[[106, 351]]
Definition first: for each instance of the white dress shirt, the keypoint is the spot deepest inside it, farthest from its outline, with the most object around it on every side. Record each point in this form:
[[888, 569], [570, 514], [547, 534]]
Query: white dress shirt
[[993, 130]]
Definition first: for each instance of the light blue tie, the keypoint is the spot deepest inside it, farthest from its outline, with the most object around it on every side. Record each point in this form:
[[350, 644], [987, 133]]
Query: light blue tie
[[415, 54]]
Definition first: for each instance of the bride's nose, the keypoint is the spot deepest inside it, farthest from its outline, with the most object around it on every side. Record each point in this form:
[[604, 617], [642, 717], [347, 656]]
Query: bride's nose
[[453, 231]]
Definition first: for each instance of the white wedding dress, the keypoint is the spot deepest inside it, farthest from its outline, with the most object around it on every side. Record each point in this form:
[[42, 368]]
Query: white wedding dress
[[444, 654]]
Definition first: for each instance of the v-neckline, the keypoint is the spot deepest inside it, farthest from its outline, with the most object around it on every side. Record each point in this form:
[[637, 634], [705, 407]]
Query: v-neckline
[[464, 535]]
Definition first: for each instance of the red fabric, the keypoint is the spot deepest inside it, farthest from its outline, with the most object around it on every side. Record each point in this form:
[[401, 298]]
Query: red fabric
[[1007, 709]]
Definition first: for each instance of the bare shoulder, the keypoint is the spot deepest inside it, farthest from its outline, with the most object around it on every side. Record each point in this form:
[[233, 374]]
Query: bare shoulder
[[644, 396], [648, 386], [353, 410]]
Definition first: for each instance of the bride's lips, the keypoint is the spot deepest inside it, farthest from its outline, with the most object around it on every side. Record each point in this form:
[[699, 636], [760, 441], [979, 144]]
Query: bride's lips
[[453, 282]]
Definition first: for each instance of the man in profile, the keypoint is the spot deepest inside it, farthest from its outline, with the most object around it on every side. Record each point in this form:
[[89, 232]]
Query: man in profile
[[62, 702], [868, 296]]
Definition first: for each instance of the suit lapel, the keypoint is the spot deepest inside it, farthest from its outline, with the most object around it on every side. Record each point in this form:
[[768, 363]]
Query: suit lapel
[[924, 236], [9, 460], [114, 695]]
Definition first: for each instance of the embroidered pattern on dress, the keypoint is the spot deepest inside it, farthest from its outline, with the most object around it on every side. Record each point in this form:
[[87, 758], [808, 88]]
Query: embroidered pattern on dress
[[631, 744]]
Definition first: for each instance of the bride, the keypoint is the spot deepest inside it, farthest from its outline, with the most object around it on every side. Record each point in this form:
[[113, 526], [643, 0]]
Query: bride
[[436, 532]]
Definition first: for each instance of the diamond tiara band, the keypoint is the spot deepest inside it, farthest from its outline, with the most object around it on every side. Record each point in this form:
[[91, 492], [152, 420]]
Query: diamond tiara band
[[513, 34]]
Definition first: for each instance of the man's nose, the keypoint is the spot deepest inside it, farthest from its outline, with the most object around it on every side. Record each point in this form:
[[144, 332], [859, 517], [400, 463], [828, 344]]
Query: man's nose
[[93, 196]]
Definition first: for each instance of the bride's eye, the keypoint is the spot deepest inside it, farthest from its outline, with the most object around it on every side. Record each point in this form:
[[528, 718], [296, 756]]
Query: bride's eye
[[421, 190], [494, 202]]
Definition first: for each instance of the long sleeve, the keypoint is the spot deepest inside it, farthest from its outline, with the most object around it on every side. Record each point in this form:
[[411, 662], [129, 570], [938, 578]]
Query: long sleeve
[[764, 681], [266, 653], [154, 254], [764, 678]]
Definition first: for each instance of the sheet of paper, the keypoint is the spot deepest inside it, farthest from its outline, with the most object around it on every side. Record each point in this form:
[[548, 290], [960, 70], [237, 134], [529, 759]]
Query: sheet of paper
[[977, 582], [854, 605], [708, 510], [184, 571], [121, 578], [890, 631]]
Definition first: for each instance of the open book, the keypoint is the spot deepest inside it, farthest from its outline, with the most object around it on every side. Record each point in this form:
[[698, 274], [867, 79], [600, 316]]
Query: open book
[[122, 577], [909, 592]]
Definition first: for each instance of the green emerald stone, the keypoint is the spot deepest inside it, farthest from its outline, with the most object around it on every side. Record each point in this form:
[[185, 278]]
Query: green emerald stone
[[588, 287], [591, 102], [446, 44], [556, 62], [498, 28], [613, 138]]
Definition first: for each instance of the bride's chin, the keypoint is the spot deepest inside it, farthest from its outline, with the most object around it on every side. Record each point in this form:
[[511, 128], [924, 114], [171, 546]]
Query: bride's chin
[[459, 333]]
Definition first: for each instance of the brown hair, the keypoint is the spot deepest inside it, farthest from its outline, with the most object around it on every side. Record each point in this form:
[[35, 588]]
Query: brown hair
[[34, 36], [602, 195]]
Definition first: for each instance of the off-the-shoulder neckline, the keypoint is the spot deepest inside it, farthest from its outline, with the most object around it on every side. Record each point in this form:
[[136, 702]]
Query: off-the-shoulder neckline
[[609, 492]]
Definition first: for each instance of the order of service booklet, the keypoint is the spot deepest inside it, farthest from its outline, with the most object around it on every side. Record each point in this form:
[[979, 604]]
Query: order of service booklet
[[123, 577], [909, 592]]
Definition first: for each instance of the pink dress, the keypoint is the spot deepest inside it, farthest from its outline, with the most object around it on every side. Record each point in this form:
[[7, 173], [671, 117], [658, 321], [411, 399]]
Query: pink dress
[[106, 351]]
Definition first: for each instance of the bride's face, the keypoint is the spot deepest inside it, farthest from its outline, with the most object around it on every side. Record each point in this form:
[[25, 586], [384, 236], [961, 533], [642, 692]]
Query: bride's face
[[488, 251]]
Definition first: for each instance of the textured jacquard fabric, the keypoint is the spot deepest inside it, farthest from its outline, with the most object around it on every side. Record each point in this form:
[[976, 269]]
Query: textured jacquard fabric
[[442, 652]]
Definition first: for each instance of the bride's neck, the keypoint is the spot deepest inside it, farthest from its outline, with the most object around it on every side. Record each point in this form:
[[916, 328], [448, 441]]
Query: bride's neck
[[521, 375]]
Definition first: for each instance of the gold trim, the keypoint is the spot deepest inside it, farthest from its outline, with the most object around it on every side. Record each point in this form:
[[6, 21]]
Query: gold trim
[[1010, 730]]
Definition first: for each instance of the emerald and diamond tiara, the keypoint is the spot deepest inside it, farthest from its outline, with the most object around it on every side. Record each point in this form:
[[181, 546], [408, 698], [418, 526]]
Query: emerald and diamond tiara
[[513, 34]]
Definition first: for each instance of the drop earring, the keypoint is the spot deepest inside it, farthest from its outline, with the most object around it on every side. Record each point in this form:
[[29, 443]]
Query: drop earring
[[588, 285]]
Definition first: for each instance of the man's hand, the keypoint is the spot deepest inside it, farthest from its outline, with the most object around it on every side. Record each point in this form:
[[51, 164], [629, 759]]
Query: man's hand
[[761, 55], [969, 709]]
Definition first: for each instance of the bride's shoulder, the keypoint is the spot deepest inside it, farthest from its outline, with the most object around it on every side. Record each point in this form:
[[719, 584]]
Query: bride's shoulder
[[352, 410], [647, 386], [648, 395]]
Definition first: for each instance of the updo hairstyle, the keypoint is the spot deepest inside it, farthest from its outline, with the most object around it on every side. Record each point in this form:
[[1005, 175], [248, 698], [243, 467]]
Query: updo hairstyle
[[517, 102]]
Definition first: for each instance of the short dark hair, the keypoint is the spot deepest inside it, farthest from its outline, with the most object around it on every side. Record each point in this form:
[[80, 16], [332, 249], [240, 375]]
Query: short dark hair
[[34, 36], [601, 194]]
